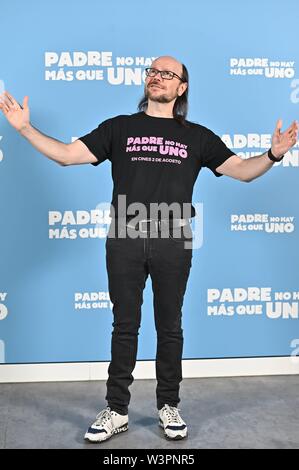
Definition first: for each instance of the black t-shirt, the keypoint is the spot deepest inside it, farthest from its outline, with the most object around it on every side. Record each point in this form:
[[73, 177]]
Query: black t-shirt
[[155, 160]]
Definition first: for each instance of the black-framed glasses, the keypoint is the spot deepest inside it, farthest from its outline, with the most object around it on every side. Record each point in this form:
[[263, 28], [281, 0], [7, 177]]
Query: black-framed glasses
[[167, 74]]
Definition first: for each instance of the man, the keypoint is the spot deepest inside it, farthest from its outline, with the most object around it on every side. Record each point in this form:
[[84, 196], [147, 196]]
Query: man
[[156, 156]]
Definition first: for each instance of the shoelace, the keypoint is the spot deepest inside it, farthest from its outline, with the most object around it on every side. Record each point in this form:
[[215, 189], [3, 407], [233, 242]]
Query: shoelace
[[103, 416], [172, 413]]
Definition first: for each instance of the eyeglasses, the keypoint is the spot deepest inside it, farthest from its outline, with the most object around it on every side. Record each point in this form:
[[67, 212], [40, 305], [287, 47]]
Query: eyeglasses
[[167, 74]]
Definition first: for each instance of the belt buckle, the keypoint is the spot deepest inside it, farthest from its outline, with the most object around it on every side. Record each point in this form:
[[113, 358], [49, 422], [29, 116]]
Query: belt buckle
[[140, 226], [157, 224]]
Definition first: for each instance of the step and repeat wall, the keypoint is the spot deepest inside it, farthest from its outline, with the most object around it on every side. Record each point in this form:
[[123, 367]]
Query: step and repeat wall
[[83, 62]]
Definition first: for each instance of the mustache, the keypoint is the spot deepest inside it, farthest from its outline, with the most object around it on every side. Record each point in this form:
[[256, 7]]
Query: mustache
[[154, 83]]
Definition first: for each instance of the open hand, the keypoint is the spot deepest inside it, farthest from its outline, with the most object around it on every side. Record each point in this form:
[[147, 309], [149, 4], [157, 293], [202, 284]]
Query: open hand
[[283, 141], [18, 116]]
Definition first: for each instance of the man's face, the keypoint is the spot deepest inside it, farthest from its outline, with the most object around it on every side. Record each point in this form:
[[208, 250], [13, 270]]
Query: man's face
[[163, 90]]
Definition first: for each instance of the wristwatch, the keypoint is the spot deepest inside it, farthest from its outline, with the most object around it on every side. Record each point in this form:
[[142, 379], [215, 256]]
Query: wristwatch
[[274, 159]]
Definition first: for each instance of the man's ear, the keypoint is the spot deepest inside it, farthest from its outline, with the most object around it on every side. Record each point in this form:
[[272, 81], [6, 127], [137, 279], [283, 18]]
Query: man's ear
[[185, 86]]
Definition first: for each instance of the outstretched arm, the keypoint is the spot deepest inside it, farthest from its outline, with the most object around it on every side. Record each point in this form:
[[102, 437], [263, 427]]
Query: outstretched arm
[[247, 170], [64, 154]]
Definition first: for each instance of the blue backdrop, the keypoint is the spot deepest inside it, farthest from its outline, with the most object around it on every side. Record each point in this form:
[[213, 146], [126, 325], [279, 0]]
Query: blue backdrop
[[83, 62]]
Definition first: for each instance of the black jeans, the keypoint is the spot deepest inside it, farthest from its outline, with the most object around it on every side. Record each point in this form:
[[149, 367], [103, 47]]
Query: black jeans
[[129, 262]]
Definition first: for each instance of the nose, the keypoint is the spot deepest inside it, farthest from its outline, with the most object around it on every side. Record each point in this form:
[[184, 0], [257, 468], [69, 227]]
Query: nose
[[156, 79]]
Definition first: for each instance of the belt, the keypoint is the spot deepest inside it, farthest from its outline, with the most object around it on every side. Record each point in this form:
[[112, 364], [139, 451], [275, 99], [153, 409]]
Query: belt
[[156, 225]]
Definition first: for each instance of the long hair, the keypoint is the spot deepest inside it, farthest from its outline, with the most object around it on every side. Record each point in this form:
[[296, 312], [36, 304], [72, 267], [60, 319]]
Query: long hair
[[180, 108]]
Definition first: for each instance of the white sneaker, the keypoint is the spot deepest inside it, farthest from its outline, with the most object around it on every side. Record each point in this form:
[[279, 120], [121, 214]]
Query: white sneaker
[[106, 424], [172, 423]]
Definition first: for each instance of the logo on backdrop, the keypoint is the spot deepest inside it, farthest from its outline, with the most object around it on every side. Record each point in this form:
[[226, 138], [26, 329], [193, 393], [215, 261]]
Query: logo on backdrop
[[261, 223], [96, 65], [78, 224], [252, 144], [294, 97], [92, 300], [269, 68], [3, 308], [253, 301]]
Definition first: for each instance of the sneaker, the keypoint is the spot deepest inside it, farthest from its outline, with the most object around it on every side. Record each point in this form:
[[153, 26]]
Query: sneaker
[[173, 424], [106, 424]]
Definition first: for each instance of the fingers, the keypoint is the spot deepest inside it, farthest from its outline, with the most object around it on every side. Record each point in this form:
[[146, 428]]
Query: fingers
[[295, 128], [291, 128], [6, 103], [9, 101], [292, 132], [278, 128], [292, 139], [25, 102], [3, 107], [12, 100]]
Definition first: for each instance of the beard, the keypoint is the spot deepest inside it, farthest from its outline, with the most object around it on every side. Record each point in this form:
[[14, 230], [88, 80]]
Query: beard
[[162, 98]]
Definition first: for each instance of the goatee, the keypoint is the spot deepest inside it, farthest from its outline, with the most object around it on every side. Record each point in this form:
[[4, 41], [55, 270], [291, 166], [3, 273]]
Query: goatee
[[157, 98]]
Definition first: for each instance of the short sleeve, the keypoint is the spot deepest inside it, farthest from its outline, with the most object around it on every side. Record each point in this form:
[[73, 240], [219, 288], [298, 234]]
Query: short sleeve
[[99, 141], [214, 152]]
